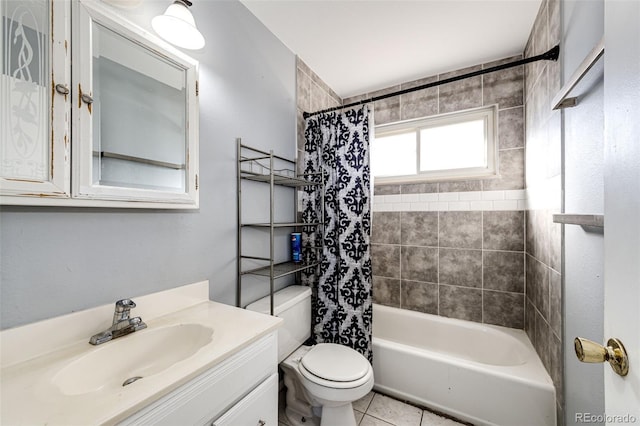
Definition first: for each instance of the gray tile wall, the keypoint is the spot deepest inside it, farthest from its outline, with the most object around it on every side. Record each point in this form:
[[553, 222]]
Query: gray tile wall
[[543, 309], [313, 94], [504, 88], [467, 265]]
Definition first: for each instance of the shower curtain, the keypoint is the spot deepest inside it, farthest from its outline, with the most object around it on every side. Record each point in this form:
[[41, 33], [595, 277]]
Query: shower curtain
[[337, 155]]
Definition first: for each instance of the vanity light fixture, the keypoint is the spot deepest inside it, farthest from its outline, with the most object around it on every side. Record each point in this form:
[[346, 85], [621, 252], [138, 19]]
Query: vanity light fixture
[[178, 27]]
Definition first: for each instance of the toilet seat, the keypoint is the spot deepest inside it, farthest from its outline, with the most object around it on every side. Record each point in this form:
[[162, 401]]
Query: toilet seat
[[335, 366]]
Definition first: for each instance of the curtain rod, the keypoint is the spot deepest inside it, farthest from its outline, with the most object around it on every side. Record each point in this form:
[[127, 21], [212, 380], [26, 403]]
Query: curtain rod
[[551, 55]]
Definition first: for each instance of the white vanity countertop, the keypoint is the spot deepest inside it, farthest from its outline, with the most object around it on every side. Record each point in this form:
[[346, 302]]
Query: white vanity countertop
[[33, 357]]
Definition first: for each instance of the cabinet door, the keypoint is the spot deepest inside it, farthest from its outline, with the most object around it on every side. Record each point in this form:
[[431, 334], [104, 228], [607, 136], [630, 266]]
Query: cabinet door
[[135, 112], [209, 395], [259, 408], [34, 116]]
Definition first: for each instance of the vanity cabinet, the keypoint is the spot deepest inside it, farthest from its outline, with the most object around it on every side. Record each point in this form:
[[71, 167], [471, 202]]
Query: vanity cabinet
[[120, 130], [242, 390], [259, 408]]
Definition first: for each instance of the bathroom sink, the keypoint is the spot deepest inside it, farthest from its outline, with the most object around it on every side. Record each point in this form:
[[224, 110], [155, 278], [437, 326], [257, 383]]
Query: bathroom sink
[[131, 358]]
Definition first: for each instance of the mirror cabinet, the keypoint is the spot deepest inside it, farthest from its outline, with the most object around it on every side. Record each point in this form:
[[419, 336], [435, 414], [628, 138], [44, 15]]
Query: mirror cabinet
[[118, 129]]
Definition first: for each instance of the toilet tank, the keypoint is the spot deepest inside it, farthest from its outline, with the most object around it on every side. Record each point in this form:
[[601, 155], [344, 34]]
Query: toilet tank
[[293, 305]]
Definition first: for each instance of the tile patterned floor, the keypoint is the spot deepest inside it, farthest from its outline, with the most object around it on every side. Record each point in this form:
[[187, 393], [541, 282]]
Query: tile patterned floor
[[376, 409]]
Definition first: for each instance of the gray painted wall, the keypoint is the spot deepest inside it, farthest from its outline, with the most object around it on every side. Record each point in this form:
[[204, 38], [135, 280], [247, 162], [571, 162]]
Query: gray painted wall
[[59, 260], [583, 25]]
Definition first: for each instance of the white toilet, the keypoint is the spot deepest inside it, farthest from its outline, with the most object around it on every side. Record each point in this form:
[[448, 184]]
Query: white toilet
[[322, 380]]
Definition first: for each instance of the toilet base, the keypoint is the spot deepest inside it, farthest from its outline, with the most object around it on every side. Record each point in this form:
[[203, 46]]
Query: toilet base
[[299, 410], [298, 419], [341, 415]]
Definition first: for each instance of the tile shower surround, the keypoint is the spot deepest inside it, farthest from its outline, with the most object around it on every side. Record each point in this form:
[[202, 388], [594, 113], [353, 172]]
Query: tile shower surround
[[420, 276], [461, 264], [542, 260], [443, 247], [543, 307]]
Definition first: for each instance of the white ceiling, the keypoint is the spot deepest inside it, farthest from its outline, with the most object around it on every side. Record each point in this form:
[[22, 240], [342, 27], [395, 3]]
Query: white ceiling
[[358, 46]]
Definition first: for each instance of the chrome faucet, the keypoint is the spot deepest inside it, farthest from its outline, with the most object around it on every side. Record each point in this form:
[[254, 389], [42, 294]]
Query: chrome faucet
[[122, 324]]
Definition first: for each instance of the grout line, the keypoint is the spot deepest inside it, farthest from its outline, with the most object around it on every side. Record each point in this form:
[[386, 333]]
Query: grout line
[[524, 267], [399, 268], [482, 264], [438, 264], [511, 107]]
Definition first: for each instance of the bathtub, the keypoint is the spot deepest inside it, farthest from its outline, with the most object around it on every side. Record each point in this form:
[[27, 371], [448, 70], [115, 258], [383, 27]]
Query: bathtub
[[486, 375]]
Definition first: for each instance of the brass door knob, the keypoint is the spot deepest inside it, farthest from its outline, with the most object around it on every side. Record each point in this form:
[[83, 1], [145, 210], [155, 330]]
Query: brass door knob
[[614, 352]]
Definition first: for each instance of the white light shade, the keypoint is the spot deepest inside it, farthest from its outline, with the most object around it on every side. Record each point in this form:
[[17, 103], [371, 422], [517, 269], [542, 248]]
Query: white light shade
[[178, 27]]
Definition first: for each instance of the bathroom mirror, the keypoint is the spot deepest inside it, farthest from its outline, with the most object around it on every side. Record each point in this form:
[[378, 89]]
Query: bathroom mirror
[[118, 129], [136, 113], [139, 116]]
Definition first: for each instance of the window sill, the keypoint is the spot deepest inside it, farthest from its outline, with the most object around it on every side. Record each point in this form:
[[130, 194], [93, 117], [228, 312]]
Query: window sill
[[400, 180]]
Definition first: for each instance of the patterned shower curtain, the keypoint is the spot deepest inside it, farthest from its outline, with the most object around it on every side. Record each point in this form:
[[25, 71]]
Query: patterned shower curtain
[[337, 154]]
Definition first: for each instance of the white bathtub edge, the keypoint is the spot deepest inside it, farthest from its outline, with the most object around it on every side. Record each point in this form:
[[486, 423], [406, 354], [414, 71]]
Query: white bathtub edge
[[450, 382]]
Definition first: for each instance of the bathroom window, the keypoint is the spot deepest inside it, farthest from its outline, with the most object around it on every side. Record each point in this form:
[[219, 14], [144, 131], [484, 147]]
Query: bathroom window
[[455, 145]]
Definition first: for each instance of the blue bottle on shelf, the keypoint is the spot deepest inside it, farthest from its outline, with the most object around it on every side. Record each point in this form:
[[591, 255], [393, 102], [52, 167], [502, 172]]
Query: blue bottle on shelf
[[296, 247]]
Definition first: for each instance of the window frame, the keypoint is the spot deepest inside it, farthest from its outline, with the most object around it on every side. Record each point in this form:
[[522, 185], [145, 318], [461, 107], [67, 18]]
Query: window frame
[[490, 116]]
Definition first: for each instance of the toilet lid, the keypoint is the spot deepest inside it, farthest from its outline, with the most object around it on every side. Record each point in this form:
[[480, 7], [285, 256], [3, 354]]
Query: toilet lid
[[336, 363]]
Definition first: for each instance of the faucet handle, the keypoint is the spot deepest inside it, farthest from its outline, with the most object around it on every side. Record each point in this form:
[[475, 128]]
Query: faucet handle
[[137, 323], [124, 305]]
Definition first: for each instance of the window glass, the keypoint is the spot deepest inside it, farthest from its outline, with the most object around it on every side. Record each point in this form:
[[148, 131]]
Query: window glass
[[394, 155], [455, 145]]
